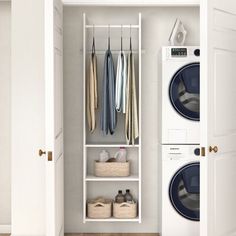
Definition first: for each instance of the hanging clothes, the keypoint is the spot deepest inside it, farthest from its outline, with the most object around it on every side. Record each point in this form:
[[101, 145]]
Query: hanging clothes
[[121, 79], [131, 118], [91, 91], [108, 112]]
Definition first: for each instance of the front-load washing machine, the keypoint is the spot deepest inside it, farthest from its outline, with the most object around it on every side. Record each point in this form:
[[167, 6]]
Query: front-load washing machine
[[180, 190], [179, 95]]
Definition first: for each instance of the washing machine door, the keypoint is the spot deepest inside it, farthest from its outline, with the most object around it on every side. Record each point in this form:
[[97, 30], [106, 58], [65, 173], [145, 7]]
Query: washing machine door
[[184, 191], [184, 91]]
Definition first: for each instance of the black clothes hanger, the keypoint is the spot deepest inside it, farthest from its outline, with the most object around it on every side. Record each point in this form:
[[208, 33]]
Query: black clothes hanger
[[130, 41], [121, 39], [109, 37], [93, 45]]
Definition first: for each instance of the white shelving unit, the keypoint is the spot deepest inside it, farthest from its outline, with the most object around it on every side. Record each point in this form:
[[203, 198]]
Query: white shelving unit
[[93, 147], [110, 145], [112, 219], [117, 179]]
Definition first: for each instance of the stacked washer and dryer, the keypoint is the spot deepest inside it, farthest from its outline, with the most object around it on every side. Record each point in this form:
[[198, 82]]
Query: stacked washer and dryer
[[179, 141]]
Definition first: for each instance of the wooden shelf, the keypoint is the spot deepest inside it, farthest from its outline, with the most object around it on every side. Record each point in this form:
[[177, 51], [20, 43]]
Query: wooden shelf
[[112, 219], [131, 178]]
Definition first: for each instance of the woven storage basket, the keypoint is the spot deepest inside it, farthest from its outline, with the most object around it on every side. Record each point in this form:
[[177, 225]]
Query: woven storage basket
[[112, 169], [124, 210], [99, 210]]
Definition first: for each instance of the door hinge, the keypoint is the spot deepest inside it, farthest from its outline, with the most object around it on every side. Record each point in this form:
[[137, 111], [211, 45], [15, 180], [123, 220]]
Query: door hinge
[[203, 151], [49, 156]]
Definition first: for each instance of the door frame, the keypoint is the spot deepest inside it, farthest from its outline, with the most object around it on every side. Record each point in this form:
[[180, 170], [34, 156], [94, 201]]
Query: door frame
[[203, 110]]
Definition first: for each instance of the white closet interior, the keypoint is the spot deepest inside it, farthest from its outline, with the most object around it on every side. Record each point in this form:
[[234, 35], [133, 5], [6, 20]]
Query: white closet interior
[[157, 23], [5, 68]]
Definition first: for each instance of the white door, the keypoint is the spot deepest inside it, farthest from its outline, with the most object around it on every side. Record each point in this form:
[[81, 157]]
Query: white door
[[54, 117], [218, 117]]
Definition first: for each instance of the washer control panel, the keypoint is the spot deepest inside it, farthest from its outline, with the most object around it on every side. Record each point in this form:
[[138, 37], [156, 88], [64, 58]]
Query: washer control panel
[[180, 152]]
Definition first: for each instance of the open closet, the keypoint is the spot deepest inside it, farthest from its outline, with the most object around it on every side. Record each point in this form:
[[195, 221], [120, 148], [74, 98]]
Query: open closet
[[54, 155], [150, 30]]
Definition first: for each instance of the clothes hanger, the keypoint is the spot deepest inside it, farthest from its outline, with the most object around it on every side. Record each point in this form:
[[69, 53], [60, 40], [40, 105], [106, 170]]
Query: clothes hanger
[[93, 45], [109, 37], [121, 39], [130, 42]]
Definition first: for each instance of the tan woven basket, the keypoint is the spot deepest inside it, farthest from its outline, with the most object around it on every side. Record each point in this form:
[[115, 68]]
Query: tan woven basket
[[112, 169], [99, 210], [125, 210]]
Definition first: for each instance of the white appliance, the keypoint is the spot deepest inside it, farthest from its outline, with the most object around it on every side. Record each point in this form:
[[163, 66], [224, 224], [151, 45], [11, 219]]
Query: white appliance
[[179, 95], [180, 190]]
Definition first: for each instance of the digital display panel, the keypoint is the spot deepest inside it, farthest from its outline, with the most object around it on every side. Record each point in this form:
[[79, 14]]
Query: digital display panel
[[179, 52]]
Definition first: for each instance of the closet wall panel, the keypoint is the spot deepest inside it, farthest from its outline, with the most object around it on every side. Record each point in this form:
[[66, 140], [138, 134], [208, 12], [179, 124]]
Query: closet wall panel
[[156, 27], [5, 182]]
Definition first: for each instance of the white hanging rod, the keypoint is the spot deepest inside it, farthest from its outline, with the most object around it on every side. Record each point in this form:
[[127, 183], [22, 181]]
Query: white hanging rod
[[113, 26], [102, 52]]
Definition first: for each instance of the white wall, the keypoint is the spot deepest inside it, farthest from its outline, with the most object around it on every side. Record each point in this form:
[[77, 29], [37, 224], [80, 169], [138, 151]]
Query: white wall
[[157, 24], [5, 173]]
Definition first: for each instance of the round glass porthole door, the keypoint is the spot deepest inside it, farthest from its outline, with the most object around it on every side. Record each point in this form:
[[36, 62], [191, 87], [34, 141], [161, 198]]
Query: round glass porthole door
[[184, 91], [184, 191]]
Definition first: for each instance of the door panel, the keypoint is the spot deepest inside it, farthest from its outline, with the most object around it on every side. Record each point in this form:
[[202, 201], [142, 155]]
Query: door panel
[[54, 117], [228, 19], [58, 86], [227, 6], [59, 195], [224, 90], [224, 196], [27, 118], [218, 112]]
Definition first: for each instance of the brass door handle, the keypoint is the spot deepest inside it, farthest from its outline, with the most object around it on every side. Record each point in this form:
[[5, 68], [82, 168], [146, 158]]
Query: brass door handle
[[213, 149], [41, 152]]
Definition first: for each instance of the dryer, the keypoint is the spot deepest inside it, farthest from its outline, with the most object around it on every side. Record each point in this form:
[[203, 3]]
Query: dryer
[[180, 190], [180, 95]]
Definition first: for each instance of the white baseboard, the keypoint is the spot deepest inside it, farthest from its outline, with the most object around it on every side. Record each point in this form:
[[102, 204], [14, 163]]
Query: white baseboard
[[25, 234], [5, 229]]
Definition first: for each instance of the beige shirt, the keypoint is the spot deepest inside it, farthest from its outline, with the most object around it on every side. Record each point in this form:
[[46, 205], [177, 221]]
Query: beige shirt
[[131, 118], [91, 93]]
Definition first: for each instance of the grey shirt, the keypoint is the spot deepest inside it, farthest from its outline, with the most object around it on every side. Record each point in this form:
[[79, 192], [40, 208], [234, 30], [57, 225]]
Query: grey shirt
[[108, 112]]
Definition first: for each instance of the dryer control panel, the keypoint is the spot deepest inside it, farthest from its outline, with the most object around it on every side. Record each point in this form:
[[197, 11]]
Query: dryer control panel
[[178, 53]]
